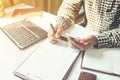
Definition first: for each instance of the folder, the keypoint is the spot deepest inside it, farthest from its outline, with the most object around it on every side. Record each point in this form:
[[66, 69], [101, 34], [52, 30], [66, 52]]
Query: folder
[[105, 60]]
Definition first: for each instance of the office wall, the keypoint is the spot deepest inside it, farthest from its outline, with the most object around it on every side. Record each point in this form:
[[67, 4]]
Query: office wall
[[47, 5], [7, 3], [29, 2]]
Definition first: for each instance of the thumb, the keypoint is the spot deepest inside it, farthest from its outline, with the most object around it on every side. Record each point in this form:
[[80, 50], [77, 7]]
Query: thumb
[[59, 32]]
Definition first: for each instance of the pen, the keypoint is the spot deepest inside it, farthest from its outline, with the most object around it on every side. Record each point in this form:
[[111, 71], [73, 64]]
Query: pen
[[54, 31]]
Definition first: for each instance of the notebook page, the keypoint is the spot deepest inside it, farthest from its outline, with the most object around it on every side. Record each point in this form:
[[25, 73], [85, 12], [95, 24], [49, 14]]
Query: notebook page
[[116, 60], [77, 31], [98, 59], [49, 62]]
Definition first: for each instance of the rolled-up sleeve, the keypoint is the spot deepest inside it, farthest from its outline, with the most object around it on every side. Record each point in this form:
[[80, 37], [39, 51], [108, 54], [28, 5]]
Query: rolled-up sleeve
[[67, 12]]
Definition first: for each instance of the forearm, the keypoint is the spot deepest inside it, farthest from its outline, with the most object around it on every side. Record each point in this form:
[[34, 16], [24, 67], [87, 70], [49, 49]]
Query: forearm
[[67, 12], [109, 39]]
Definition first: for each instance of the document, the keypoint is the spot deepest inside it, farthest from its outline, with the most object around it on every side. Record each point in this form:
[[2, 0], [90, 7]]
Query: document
[[104, 60], [47, 62], [78, 31]]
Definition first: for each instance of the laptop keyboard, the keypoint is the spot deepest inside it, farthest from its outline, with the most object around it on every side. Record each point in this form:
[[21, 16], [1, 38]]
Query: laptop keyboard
[[21, 35]]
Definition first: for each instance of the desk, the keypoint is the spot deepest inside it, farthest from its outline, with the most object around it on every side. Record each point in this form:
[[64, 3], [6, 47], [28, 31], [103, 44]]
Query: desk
[[11, 56]]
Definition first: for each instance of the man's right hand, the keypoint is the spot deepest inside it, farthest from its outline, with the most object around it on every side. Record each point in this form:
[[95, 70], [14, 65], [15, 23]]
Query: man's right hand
[[55, 33]]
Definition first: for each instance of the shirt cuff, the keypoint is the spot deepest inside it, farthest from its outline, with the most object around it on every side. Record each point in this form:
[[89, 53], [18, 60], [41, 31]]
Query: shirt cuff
[[63, 22]]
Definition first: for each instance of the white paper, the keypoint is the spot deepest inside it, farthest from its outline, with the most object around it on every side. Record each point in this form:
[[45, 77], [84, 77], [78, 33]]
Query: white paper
[[77, 31], [105, 60]]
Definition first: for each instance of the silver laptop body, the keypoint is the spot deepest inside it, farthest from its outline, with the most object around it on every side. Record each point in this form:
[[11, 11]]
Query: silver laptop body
[[24, 33]]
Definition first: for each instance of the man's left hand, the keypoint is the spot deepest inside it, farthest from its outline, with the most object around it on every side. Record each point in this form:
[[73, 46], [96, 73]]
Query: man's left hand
[[84, 43]]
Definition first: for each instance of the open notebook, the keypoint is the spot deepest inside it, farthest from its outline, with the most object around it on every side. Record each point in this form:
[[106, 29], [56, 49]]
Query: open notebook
[[47, 62], [105, 60], [24, 33]]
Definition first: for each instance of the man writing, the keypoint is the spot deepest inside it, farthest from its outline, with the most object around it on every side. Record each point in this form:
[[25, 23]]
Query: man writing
[[102, 16]]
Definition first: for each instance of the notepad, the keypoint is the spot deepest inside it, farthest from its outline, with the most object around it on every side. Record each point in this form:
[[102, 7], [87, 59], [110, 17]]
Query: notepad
[[78, 31], [105, 60], [47, 62]]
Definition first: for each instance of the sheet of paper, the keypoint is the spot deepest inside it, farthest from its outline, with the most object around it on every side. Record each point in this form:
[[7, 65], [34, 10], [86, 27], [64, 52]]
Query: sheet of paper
[[116, 60], [105, 60], [77, 31], [48, 61]]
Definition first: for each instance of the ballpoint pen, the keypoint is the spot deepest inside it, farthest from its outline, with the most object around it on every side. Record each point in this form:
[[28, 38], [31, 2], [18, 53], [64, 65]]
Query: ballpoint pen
[[61, 37], [53, 29]]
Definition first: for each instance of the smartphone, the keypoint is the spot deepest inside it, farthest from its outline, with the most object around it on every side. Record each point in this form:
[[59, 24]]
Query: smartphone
[[87, 76]]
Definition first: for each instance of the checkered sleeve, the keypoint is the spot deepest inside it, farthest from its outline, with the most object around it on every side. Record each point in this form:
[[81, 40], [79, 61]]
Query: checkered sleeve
[[109, 39], [67, 12], [109, 36]]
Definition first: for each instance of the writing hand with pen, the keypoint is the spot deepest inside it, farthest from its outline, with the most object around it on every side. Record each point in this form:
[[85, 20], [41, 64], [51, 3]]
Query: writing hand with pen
[[55, 34]]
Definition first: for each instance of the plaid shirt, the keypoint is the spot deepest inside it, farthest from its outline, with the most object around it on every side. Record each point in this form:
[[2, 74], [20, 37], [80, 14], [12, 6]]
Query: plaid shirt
[[103, 16]]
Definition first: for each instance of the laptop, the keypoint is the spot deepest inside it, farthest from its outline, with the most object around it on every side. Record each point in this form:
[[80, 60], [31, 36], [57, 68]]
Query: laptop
[[24, 33]]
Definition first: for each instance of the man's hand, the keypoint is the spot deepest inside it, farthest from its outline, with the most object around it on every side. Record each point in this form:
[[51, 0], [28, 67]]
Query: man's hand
[[55, 33], [84, 43]]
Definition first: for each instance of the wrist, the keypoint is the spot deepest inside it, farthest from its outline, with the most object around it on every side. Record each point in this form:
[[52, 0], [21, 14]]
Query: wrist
[[95, 40]]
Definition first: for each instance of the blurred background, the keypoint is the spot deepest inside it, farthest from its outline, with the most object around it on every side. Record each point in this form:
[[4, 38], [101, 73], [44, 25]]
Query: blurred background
[[47, 5]]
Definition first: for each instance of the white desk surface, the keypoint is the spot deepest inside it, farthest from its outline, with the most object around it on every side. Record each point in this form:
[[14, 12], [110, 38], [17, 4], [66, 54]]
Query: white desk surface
[[11, 56]]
